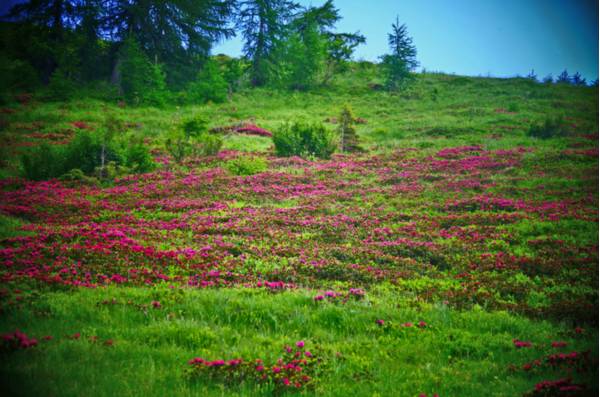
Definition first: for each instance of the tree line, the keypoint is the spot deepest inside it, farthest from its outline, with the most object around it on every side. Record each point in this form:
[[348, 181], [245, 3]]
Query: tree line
[[149, 49]]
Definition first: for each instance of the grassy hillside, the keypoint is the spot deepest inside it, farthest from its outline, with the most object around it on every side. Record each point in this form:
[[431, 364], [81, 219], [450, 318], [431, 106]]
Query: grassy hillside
[[457, 256]]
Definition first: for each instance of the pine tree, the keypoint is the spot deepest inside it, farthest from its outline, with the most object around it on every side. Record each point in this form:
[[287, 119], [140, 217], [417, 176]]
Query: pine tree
[[349, 141], [338, 46], [548, 79], [402, 60], [263, 24], [576, 79], [563, 77], [141, 80], [177, 34]]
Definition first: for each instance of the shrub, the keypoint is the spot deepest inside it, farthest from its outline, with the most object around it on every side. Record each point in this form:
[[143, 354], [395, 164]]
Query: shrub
[[208, 144], [76, 175], [209, 85], [191, 137], [551, 127], [17, 75], [247, 165], [42, 162], [138, 158], [89, 151], [60, 87], [300, 139]]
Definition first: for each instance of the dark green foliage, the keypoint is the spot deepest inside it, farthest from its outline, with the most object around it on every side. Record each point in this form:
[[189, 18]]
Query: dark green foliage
[[100, 153], [263, 25], [138, 158], [53, 13], [563, 77], [340, 47], [550, 128], [210, 85], [142, 82], [398, 65], [301, 139], [77, 176], [178, 34], [576, 79], [247, 165], [90, 151], [42, 162], [17, 75], [348, 138], [61, 87], [83, 153], [194, 127]]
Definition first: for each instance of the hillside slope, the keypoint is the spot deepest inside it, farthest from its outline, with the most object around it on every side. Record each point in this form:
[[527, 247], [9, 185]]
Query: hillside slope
[[457, 256]]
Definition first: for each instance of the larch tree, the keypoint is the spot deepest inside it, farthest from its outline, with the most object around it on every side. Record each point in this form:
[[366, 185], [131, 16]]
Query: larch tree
[[263, 24], [402, 60]]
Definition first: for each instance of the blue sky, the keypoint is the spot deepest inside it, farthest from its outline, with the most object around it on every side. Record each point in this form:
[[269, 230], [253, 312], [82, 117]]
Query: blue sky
[[477, 37]]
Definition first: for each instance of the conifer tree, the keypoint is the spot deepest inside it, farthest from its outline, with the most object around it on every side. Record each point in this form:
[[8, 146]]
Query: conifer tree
[[577, 79], [563, 77], [141, 80], [398, 65], [263, 24], [177, 34], [349, 141]]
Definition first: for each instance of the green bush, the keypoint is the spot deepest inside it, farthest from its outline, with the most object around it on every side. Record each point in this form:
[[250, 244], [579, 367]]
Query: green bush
[[60, 87], [210, 85], [247, 165], [17, 75], [209, 144], [76, 175], [550, 128], [301, 139], [192, 138], [138, 158], [142, 81], [85, 152], [43, 162], [88, 154]]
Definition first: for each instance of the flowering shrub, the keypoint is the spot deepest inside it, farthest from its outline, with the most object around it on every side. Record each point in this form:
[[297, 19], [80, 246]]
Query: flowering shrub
[[520, 343], [252, 129], [16, 340], [332, 296], [492, 245], [574, 361], [557, 388], [294, 371], [243, 128]]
